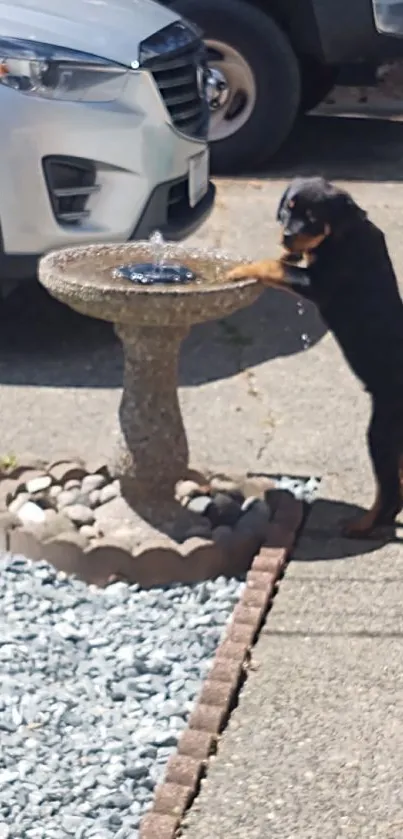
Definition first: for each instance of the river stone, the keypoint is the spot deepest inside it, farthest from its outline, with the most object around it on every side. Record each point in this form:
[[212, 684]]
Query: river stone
[[185, 490], [224, 510], [31, 513], [54, 491], [79, 514], [38, 484], [109, 492], [93, 482], [67, 497], [94, 497], [18, 502], [200, 504]]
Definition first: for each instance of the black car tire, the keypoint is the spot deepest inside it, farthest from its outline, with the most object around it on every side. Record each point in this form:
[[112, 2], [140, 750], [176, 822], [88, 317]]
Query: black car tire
[[262, 44]]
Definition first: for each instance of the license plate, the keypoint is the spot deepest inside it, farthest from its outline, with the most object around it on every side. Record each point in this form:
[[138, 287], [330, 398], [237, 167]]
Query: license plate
[[199, 171]]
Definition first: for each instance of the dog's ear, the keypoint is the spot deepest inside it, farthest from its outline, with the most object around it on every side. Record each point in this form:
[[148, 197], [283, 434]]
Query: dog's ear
[[341, 211], [283, 201]]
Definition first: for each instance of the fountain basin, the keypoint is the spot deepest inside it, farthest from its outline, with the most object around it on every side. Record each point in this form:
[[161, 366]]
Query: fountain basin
[[82, 278]]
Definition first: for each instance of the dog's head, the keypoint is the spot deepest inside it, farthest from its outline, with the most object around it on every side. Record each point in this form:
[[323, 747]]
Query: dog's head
[[312, 209]]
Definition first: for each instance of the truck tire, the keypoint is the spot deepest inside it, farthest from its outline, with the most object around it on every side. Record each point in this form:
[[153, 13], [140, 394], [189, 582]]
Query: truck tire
[[259, 99], [317, 80]]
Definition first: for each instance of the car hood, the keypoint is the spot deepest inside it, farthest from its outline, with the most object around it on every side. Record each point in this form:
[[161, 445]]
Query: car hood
[[111, 29]]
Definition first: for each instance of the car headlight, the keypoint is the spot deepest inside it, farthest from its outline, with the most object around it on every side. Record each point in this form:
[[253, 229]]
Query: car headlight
[[53, 72]]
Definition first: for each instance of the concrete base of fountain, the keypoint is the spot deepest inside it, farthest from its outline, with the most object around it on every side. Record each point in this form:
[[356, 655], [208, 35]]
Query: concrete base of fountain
[[74, 516]]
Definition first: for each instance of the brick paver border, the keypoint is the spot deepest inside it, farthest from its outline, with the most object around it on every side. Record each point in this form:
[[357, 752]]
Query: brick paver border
[[220, 690]]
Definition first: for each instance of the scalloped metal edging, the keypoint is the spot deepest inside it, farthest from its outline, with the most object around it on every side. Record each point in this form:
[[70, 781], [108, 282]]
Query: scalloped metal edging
[[220, 690]]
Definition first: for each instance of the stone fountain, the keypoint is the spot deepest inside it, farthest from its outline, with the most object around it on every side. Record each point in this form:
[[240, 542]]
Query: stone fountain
[[149, 454]]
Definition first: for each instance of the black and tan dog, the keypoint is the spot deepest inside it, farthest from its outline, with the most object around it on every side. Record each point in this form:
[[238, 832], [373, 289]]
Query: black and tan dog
[[350, 278]]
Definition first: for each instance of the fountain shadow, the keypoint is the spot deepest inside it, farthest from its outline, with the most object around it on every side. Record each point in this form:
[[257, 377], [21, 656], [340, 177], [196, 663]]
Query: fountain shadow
[[46, 344], [271, 328]]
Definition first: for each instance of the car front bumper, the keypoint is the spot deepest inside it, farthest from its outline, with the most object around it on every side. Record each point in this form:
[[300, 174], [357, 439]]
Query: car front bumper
[[135, 163]]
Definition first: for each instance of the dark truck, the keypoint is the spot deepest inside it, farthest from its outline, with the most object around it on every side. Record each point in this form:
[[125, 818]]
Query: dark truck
[[270, 60]]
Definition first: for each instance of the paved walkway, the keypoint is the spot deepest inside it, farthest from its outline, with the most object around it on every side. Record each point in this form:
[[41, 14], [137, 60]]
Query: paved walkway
[[314, 750]]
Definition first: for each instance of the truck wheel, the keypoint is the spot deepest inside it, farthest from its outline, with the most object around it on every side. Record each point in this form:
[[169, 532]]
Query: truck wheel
[[317, 80], [255, 94]]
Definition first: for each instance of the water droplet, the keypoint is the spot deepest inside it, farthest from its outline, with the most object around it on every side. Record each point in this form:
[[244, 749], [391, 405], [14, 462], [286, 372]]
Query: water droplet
[[300, 307], [306, 341]]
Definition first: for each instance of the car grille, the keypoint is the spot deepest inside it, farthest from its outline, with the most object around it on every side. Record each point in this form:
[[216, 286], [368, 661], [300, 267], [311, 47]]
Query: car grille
[[177, 60], [70, 182]]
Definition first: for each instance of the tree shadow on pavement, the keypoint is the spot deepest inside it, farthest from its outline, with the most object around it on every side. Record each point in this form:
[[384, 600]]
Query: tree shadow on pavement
[[321, 537], [43, 343], [347, 148]]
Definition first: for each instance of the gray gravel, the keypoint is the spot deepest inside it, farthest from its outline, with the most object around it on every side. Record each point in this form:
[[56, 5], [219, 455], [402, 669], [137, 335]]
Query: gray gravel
[[96, 686]]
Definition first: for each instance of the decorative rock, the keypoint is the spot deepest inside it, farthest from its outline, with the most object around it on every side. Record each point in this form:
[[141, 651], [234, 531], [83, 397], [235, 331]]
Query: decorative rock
[[79, 514], [200, 504], [28, 475], [54, 491], [93, 482], [223, 510], [224, 485], [38, 484], [254, 521], [94, 497], [72, 483], [18, 502], [185, 490], [109, 492], [203, 530], [67, 497], [30, 513], [250, 502]]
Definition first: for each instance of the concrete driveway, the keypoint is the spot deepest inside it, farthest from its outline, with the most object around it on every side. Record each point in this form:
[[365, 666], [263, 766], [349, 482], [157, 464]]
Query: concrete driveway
[[314, 749]]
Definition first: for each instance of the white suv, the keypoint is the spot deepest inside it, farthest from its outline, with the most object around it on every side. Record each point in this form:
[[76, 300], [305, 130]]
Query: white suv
[[104, 119]]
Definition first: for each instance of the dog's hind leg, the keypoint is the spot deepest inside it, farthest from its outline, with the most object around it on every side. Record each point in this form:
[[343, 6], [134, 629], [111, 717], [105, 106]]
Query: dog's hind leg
[[385, 443]]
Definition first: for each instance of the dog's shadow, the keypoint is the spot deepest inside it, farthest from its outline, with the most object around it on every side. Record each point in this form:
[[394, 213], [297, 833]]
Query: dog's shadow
[[321, 537]]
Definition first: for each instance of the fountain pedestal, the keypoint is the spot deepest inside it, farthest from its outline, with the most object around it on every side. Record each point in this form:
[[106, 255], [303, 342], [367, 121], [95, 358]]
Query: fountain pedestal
[[150, 453], [151, 449]]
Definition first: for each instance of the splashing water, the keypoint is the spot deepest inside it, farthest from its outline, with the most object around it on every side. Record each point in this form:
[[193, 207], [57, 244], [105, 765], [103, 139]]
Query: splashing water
[[157, 271], [305, 339], [157, 243]]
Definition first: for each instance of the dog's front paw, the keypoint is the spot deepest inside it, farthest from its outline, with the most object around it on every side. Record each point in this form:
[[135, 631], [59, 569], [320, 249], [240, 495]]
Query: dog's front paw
[[241, 272], [268, 272]]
